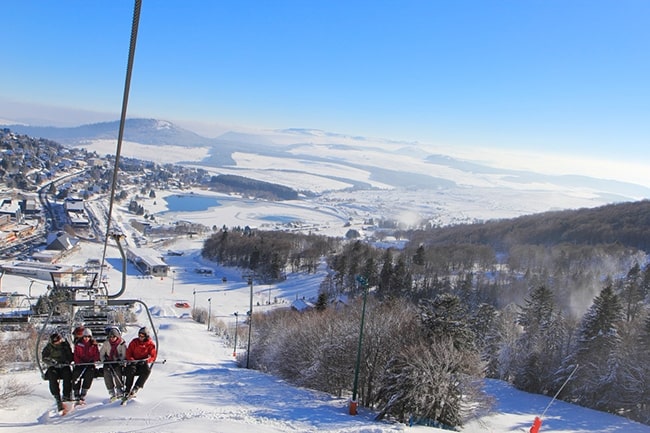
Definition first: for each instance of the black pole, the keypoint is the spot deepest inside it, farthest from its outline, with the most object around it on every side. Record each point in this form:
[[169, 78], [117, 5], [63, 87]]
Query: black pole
[[353, 402], [250, 323], [234, 351], [209, 311]]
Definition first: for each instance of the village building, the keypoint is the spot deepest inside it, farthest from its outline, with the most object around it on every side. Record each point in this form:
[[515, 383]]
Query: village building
[[148, 261]]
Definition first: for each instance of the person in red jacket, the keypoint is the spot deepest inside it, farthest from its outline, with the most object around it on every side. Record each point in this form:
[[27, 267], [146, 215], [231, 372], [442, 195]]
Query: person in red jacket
[[140, 353], [86, 354]]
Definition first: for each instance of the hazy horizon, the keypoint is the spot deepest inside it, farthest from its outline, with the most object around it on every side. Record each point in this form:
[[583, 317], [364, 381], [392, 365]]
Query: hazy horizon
[[553, 84]]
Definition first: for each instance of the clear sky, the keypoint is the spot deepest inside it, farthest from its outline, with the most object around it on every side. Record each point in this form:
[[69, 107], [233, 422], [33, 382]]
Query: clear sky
[[553, 76]]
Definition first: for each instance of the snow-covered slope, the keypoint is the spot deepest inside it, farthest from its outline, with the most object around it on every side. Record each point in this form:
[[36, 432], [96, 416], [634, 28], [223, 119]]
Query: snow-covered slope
[[200, 387]]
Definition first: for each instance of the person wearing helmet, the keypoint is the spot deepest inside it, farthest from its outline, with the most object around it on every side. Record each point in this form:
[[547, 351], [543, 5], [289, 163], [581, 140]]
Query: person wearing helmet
[[139, 354], [57, 355], [112, 353], [86, 354]]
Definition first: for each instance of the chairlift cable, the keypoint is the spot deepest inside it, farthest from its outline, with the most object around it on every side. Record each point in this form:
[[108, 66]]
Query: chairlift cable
[[110, 300], [125, 101]]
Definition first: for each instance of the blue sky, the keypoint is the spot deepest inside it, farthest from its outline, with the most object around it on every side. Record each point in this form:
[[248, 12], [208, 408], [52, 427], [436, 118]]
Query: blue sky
[[552, 76]]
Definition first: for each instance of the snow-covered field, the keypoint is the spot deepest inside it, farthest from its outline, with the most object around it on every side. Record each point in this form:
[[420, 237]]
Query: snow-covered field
[[200, 387], [356, 179]]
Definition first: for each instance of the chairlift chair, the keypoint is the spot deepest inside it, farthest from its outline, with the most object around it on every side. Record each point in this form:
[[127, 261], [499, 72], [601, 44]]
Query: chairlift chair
[[87, 303]]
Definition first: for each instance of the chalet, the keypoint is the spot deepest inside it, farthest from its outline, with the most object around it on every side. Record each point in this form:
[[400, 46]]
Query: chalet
[[148, 261], [59, 245], [61, 241], [301, 305]]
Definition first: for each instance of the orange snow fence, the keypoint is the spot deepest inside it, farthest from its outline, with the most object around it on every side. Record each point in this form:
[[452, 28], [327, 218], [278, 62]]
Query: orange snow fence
[[536, 425]]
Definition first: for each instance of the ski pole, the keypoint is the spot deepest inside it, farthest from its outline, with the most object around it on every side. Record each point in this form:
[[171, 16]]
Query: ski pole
[[117, 378], [81, 375], [135, 361]]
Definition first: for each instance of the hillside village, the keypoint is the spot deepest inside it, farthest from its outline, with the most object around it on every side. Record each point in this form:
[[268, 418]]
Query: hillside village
[[47, 193], [44, 188], [53, 197]]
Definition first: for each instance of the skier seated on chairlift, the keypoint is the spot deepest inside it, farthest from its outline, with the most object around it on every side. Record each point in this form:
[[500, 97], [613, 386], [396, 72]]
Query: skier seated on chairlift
[[140, 353], [86, 354], [113, 353], [57, 355]]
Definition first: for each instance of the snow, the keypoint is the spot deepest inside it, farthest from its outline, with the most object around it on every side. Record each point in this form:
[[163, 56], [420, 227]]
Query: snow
[[150, 152], [201, 388], [383, 180]]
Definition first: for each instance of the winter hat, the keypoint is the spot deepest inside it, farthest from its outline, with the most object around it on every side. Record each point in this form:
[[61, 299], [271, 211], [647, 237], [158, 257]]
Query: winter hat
[[78, 331], [114, 332], [55, 336], [144, 330], [87, 332]]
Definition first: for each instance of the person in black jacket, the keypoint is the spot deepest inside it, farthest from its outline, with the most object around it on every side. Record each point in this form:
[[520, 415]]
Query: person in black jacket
[[57, 355]]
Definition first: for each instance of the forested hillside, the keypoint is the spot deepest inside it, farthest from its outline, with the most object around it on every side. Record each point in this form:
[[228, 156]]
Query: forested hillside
[[527, 300], [624, 223]]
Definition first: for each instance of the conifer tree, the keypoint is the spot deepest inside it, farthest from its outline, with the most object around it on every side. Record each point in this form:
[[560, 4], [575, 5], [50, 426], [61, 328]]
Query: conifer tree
[[445, 316], [632, 293], [419, 256], [594, 384], [321, 302], [539, 348], [385, 276], [400, 280], [488, 339]]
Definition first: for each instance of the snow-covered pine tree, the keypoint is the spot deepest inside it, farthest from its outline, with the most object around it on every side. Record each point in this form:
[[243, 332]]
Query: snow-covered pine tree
[[540, 346], [598, 339], [446, 316], [385, 275], [632, 293]]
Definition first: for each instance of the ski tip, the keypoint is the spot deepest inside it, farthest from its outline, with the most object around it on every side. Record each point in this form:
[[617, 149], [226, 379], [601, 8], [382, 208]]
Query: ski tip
[[126, 400], [67, 408], [63, 412]]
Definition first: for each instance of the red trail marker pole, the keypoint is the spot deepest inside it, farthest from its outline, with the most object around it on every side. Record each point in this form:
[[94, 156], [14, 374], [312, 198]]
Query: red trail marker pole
[[537, 423]]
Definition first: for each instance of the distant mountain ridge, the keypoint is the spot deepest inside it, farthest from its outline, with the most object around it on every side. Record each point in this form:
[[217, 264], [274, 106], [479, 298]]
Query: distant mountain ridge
[[323, 162], [145, 131]]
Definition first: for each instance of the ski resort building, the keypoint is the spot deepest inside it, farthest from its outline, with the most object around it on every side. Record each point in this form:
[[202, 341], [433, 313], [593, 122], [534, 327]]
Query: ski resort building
[[148, 261]]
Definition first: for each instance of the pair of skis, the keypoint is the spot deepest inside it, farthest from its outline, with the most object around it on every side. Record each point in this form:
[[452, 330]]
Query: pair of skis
[[69, 406], [126, 399]]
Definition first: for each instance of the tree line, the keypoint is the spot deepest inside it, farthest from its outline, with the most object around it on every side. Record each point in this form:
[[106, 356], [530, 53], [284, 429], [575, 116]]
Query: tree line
[[443, 314], [258, 188], [269, 254]]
